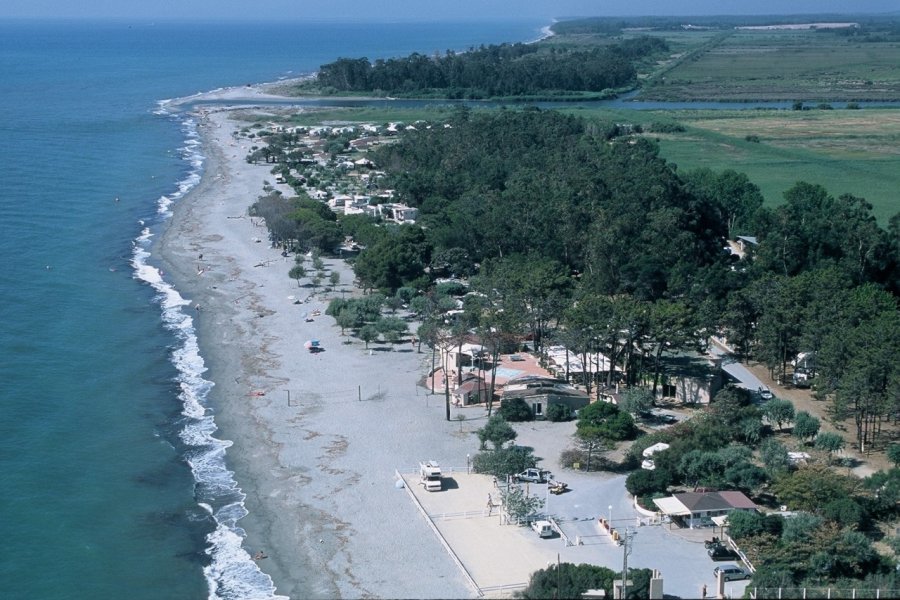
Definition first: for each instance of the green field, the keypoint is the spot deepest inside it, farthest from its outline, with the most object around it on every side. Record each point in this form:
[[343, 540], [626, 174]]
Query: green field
[[845, 151], [777, 65]]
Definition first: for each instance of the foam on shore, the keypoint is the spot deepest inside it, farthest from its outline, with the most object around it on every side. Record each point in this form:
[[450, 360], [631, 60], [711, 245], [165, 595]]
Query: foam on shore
[[231, 573]]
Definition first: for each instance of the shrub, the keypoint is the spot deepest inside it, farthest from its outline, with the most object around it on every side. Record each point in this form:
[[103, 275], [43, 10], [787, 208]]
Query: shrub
[[893, 454], [744, 524], [571, 457], [636, 401], [614, 424], [515, 410], [660, 127], [644, 483], [568, 581], [497, 431], [844, 511], [576, 458], [752, 138], [450, 288], [406, 294], [559, 412]]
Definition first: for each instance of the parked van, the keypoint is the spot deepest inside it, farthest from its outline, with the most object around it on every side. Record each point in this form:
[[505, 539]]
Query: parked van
[[543, 528]]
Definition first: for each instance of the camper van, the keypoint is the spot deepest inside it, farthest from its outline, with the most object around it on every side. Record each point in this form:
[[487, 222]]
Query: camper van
[[430, 473]]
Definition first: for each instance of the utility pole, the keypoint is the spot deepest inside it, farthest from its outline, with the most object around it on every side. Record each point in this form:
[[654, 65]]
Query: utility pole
[[626, 550], [557, 575]]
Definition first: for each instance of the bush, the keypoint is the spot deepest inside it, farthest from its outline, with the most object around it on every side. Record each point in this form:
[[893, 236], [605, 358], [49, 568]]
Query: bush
[[744, 524], [450, 288], [571, 457], [893, 454], [497, 431], [515, 410], [570, 581], [559, 412], [636, 401], [752, 138], [660, 127], [845, 512], [576, 458], [644, 483]]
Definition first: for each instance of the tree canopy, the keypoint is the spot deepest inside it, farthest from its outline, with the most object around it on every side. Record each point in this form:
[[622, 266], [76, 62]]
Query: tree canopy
[[495, 70]]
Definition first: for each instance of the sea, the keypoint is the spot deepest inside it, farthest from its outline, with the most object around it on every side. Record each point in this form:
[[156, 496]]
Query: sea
[[115, 483]]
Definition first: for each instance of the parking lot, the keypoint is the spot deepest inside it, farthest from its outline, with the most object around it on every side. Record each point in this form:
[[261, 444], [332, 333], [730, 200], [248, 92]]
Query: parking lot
[[499, 558]]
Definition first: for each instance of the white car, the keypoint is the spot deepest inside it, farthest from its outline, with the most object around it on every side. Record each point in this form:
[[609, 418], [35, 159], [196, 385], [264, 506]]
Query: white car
[[765, 394]]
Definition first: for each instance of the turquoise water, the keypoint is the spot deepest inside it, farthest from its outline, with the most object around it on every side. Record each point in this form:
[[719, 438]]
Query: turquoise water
[[115, 486]]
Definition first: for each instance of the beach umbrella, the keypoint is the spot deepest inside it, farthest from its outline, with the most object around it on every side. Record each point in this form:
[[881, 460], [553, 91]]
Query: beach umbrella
[[311, 344]]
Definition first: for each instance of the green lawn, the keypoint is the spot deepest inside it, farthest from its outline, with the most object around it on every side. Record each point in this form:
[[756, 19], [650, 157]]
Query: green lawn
[[845, 151]]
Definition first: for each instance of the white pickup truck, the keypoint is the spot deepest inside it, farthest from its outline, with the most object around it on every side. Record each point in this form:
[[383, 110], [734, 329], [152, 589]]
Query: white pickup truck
[[430, 473]]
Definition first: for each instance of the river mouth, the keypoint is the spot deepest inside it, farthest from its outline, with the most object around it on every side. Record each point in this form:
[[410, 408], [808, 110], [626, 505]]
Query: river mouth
[[628, 101]]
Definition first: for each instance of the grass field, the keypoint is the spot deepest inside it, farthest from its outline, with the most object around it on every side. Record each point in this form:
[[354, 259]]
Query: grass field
[[779, 65], [845, 151]]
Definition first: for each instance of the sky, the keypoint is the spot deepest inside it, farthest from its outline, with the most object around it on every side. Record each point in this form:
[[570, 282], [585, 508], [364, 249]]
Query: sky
[[418, 10]]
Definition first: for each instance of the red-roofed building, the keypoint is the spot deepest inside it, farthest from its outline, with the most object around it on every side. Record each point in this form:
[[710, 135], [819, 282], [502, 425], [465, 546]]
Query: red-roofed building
[[473, 390]]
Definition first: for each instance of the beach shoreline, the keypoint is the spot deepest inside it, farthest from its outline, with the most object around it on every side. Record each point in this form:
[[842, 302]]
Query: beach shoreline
[[316, 437]]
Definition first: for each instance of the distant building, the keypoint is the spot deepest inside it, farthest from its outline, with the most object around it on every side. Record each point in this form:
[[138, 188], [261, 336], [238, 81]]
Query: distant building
[[473, 390], [690, 378], [565, 364], [746, 242], [540, 393], [400, 213]]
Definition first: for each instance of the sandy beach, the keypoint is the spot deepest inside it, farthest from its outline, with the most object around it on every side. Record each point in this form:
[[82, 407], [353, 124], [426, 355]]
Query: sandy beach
[[316, 437]]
